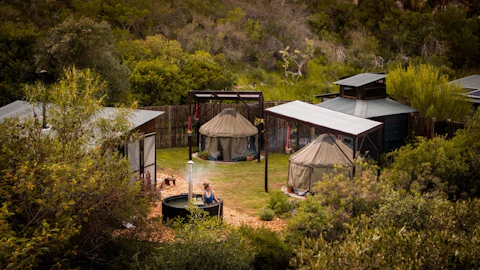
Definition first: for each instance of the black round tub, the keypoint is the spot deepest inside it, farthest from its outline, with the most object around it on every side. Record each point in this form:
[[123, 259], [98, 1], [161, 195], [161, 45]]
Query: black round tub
[[175, 206]]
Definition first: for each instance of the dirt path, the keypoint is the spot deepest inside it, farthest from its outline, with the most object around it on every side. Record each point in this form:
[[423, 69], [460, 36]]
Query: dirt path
[[230, 215]]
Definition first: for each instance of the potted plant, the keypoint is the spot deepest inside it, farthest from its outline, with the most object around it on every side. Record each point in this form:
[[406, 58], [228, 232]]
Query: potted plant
[[249, 155], [288, 150], [289, 188]]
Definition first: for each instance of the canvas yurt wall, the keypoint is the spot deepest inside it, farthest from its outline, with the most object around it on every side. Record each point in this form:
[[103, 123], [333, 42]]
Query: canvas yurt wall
[[227, 136], [307, 166]]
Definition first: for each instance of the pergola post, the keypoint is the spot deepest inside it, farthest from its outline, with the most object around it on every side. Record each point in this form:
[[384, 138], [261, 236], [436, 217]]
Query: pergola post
[[189, 131], [354, 156], [266, 153], [261, 128]]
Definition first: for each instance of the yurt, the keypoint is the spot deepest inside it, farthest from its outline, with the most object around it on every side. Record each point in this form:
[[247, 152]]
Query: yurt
[[228, 136], [307, 166]]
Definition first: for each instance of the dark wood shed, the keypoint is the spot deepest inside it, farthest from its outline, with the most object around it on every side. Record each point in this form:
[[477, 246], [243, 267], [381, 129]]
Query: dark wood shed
[[365, 95]]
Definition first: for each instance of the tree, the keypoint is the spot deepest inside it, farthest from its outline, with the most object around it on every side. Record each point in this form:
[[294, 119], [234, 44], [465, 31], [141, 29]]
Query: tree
[[298, 58], [85, 43], [64, 191], [16, 60], [461, 34], [424, 88], [162, 73]]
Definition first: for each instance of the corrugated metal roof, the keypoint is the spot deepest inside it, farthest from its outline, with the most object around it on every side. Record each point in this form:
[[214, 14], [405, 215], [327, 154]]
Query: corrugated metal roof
[[366, 108], [360, 79], [228, 95], [137, 117], [22, 109], [17, 108], [474, 94], [323, 117], [469, 82]]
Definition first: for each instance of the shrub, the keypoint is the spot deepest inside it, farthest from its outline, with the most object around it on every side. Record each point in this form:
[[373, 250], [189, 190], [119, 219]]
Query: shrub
[[202, 243], [409, 211], [279, 203], [270, 251], [432, 166], [339, 202], [451, 242], [310, 220], [204, 155], [267, 214]]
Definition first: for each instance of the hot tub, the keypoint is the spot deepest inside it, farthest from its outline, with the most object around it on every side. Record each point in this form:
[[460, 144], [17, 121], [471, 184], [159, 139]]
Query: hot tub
[[176, 206]]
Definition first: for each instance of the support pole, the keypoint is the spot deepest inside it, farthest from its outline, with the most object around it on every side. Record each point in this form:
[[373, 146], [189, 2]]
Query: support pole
[[354, 156], [190, 181], [189, 128], [379, 144], [189, 137], [266, 153], [261, 126], [297, 139]]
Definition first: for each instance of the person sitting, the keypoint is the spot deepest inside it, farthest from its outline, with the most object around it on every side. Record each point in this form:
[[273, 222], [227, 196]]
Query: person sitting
[[208, 195]]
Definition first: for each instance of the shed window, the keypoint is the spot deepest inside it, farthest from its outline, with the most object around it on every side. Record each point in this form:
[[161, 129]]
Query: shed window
[[349, 92], [375, 92]]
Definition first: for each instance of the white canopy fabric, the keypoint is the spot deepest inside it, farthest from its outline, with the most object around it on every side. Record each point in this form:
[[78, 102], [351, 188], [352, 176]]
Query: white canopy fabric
[[325, 155], [339, 122]]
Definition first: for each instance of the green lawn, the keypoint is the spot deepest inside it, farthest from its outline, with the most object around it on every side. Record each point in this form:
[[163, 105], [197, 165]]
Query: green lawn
[[240, 184]]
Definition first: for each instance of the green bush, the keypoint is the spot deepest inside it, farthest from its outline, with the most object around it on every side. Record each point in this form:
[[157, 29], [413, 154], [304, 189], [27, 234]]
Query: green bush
[[204, 155], [450, 242], [267, 214], [279, 203], [270, 251], [439, 165], [410, 211], [202, 243], [338, 201], [311, 219]]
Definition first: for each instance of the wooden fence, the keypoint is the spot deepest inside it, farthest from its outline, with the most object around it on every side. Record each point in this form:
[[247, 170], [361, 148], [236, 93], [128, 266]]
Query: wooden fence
[[171, 128], [429, 127]]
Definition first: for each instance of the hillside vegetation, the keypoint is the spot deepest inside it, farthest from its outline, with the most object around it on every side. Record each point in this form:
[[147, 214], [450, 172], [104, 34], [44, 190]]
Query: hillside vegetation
[[155, 51]]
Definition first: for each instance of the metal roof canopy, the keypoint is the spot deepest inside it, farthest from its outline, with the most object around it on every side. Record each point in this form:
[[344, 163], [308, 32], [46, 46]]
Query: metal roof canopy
[[366, 108], [360, 79], [224, 95], [22, 109], [313, 115], [470, 82], [206, 95], [332, 121]]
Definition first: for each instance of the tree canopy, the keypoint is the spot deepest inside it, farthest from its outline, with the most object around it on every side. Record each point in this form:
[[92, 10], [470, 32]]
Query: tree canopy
[[424, 88], [63, 190], [239, 39]]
